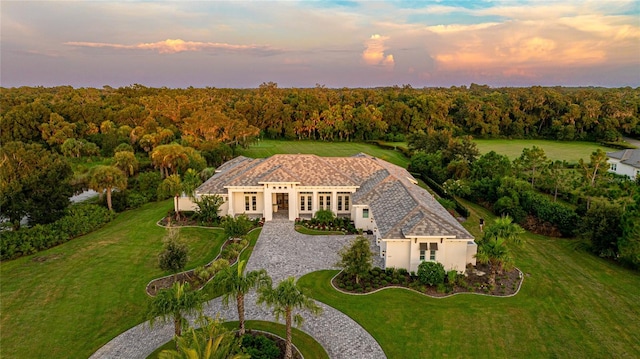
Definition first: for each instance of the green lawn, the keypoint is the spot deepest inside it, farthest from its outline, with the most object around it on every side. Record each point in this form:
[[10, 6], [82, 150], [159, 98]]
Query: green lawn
[[571, 305], [68, 301], [555, 150], [266, 148]]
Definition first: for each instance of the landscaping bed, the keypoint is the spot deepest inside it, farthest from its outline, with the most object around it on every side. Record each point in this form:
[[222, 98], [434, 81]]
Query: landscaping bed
[[338, 225], [200, 276], [475, 280]]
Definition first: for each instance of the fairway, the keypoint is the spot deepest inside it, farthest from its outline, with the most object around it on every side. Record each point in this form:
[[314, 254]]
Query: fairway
[[266, 148], [555, 150]]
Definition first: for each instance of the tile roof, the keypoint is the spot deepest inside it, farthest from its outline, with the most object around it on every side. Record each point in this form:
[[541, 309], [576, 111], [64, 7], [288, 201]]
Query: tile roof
[[401, 208], [628, 157]]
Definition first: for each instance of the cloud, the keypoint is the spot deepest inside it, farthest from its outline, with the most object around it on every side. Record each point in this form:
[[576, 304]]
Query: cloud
[[374, 53], [172, 46]]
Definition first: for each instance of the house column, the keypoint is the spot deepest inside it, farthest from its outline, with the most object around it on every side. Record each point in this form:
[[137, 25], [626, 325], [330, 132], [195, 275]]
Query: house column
[[334, 202], [268, 204], [293, 203], [231, 209], [314, 203]]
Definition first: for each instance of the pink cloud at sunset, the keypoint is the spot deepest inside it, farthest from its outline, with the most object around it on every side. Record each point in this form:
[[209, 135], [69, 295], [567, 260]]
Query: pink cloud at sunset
[[171, 46], [374, 53]]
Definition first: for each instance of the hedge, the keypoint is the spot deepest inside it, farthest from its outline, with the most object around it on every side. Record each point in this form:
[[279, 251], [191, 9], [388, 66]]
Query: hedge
[[404, 150], [564, 218], [80, 219], [437, 188]]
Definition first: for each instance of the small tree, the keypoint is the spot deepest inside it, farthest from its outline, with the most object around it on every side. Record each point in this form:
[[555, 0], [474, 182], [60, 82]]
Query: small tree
[[356, 260], [106, 178], [171, 186], [174, 304], [431, 273], [208, 207], [238, 226], [493, 248], [175, 254], [284, 299]]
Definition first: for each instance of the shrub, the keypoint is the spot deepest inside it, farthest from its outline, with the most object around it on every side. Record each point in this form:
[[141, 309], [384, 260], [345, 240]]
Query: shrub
[[208, 207], [324, 216], [80, 219], [174, 255], [260, 347], [238, 226], [431, 273]]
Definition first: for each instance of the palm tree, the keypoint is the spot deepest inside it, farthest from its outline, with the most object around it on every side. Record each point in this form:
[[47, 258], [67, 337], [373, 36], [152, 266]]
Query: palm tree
[[106, 178], [493, 247], [171, 186], [495, 252], [174, 304], [234, 283], [126, 161], [284, 298], [211, 341]]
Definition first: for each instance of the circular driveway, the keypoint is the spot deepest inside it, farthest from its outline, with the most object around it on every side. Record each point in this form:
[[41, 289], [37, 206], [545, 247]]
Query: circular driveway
[[283, 253]]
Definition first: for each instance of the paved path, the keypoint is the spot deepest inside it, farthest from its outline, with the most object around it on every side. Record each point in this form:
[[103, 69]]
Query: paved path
[[283, 253]]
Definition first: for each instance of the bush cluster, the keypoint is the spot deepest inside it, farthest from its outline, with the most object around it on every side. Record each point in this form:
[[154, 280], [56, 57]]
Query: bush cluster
[[260, 347], [338, 224], [232, 250], [80, 219]]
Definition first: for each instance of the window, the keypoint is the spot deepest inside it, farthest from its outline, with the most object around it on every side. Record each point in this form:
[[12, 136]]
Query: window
[[365, 213], [343, 201], [422, 256], [325, 200], [614, 167], [250, 201], [305, 202], [432, 255]]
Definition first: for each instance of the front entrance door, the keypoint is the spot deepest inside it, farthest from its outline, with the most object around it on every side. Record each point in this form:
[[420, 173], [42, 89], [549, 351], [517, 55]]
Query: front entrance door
[[283, 201]]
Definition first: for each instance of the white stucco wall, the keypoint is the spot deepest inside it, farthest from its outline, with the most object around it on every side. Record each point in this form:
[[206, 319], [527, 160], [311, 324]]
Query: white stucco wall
[[454, 254], [359, 221], [397, 255], [184, 204]]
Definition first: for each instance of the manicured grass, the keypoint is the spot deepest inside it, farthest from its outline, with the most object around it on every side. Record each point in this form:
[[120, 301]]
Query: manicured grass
[[571, 305], [68, 301], [308, 347], [266, 148], [555, 150], [314, 232]]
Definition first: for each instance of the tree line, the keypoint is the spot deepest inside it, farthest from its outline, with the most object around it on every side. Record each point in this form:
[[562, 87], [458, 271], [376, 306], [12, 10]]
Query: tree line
[[204, 118]]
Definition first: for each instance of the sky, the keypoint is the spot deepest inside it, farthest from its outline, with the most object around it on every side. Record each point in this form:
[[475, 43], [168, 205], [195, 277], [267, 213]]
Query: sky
[[242, 44]]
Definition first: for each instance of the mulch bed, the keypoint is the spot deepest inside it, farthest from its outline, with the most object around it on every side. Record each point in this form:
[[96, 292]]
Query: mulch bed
[[186, 277], [475, 281]]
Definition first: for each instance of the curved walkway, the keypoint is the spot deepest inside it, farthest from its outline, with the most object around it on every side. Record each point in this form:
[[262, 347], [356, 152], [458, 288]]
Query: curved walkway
[[283, 252]]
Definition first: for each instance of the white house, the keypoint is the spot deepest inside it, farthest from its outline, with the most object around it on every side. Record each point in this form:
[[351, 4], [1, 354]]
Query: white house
[[625, 162], [408, 224]]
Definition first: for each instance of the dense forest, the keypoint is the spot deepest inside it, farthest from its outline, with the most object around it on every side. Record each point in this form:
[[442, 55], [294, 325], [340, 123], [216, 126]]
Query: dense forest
[[57, 141], [146, 117]]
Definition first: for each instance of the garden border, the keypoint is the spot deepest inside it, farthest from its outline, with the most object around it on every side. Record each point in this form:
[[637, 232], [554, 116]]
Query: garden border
[[430, 296], [208, 263]]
